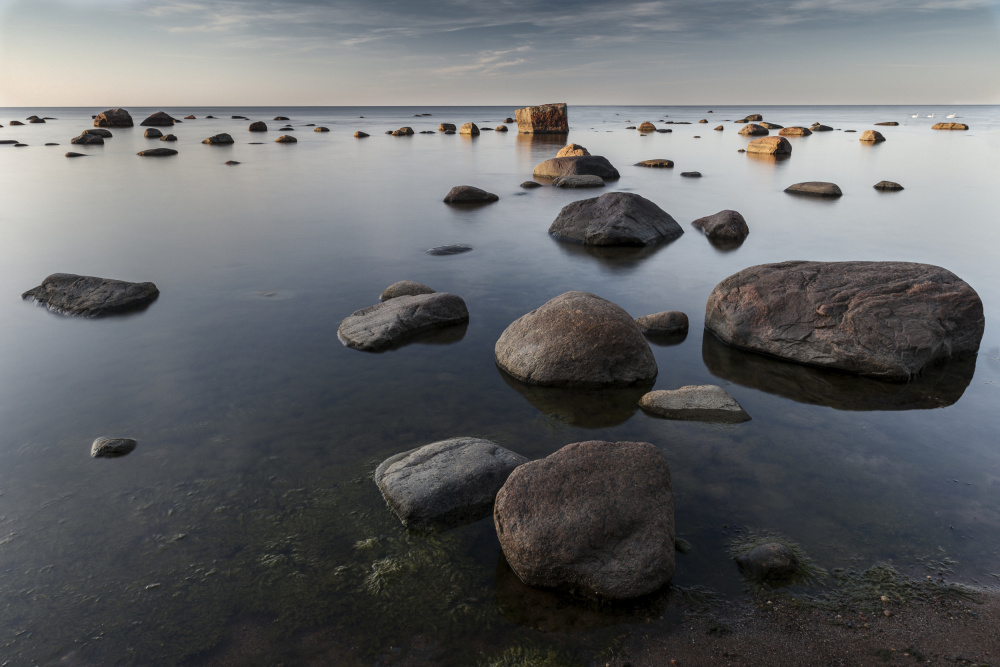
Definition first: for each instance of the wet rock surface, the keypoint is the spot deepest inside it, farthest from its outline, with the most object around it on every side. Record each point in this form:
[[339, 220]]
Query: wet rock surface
[[667, 323], [579, 181], [595, 165], [704, 403], [404, 288], [157, 152], [391, 322], [770, 562], [90, 296], [113, 118], [725, 225], [158, 119], [468, 194], [111, 447], [815, 188], [615, 219]]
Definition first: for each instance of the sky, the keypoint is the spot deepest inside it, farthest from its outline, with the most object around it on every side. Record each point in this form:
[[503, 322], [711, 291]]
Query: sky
[[104, 53]]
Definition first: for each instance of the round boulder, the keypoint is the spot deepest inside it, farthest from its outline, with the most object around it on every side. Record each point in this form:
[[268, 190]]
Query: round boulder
[[219, 139], [615, 219], [113, 118], [258, 126], [571, 150], [158, 119], [576, 339], [594, 517], [647, 127], [286, 139], [404, 288], [872, 136], [596, 165], [770, 146], [152, 133], [668, 322], [769, 562], [725, 225], [468, 194], [815, 189]]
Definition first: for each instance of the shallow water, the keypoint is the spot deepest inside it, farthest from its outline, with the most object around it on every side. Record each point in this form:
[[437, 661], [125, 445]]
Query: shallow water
[[245, 524]]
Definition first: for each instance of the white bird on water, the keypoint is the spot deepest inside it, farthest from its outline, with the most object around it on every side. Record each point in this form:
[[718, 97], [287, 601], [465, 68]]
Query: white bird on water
[[951, 115], [930, 115], [916, 115]]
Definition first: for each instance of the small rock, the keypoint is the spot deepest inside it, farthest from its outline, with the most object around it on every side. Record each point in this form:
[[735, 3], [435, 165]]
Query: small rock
[[887, 185], [661, 163], [152, 133], [691, 174], [815, 188], [90, 296], [404, 131], [817, 127], [768, 562], [771, 126], [725, 225], [872, 136], [280, 118], [596, 165], [361, 135], [454, 249], [321, 129], [667, 323], [950, 126], [754, 130], [770, 146], [111, 447], [390, 322], [467, 194], [508, 120], [191, 117], [571, 150], [469, 128], [168, 137], [528, 185], [404, 288], [87, 139], [647, 127], [157, 152], [704, 403], [579, 181], [100, 132], [285, 139], [703, 120], [258, 126], [890, 123], [72, 154], [158, 119], [15, 122], [219, 139], [444, 127], [231, 162], [720, 128], [794, 132]]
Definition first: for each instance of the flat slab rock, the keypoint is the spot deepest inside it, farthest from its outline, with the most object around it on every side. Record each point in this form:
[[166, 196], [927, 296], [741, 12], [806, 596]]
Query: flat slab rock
[[385, 324], [111, 447], [576, 339], [615, 219], [816, 189], [576, 165], [596, 518], [445, 483], [454, 249], [881, 319], [887, 185], [90, 296], [704, 403], [770, 146]]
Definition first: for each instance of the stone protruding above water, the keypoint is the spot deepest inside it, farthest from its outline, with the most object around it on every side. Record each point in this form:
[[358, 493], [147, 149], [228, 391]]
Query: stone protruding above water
[[157, 152], [572, 150], [576, 339], [656, 163], [168, 137], [887, 185], [794, 132], [594, 517], [703, 403], [468, 194], [152, 133], [950, 126], [815, 188], [872, 136], [390, 322], [579, 181], [770, 146], [595, 165], [445, 483], [451, 249], [113, 118], [444, 127], [111, 447], [158, 119], [543, 119], [615, 219], [890, 123], [725, 225], [646, 127], [667, 323], [768, 562], [819, 127], [286, 139], [469, 128], [404, 288], [219, 139], [880, 319], [361, 135], [754, 130], [258, 126], [89, 296], [85, 139]]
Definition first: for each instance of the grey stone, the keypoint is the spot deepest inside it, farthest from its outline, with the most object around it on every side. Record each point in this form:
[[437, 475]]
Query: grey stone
[[725, 225], [887, 185], [576, 339], [90, 296], [454, 249], [704, 403], [113, 118], [159, 119], [286, 139], [770, 562], [528, 185], [99, 131], [390, 322], [596, 165], [157, 152], [445, 483], [468, 194], [404, 288], [86, 139], [111, 447], [579, 181], [665, 323], [595, 518], [815, 188], [615, 219], [218, 139], [691, 174]]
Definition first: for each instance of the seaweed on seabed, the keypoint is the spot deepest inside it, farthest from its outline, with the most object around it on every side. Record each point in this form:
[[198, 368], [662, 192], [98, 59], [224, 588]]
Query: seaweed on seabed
[[880, 585], [806, 573], [526, 656]]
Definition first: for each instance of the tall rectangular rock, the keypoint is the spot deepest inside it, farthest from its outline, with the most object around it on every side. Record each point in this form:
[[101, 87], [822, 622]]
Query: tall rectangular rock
[[544, 119]]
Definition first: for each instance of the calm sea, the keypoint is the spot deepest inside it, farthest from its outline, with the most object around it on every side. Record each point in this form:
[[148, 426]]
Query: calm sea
[[245, 528]]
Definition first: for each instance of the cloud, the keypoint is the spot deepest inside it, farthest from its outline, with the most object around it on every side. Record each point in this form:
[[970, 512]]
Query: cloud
[[489, 62]]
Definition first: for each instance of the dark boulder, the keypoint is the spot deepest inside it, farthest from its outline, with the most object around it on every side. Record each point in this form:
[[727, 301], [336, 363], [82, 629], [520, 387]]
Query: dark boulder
[[158, 119], [113, 118], [543, 119], [468, 194], [725, 225], [90, 296], [615, 219], [596, 165], [391, 322]]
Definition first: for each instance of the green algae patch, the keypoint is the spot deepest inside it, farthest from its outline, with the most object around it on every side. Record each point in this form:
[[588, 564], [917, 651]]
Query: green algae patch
[[806, 572]]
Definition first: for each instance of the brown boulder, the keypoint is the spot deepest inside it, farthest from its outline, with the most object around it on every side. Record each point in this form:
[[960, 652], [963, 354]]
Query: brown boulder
[[544, 119], [446, 126], [168, 137], [794, 132], [754, 130], [647, 127], [158, 119], [258, 126], [880, 319], [469, 128], [100, 132], [152, 133], [361, 135], [819, 127], [890, 123], [720, 128], [770, 146], [950, 126], [576, 339], [286, 139], [188, 117], [500, 128], [218, 139], [872, 136], [157, 152], [402, 132], [597, 165], [571, 150], [668, 322], [113, 118], [656, 163], [594, 517], [887, 185]]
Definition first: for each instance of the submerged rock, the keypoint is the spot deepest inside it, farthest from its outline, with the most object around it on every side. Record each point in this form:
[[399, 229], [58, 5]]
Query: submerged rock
[[72, 154], [704, 403], [404, 288], [818, 127], [159, 119], [111, 447], [890, 123], [770, 562], [445, 483], [794, 132], [815, 188], [113, 118], [286, 139], [691, 174], [86, 139], [390, 322], [361, 135], [405, 131], [596, 165], [444, 127], [529, 185], [753, 130], [576, 339], [646, 127], [594, 517], [100, 132], [725, 225], [468, 194], [454, 249], [321, 129], [657, 163], [615, 219], [168, 137], [152, 133], [950, 126], [90, 296], [881, 319], [543, 119]]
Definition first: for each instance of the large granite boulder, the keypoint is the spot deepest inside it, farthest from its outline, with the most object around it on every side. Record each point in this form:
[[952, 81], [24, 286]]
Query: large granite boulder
[[703, 403], [218, 139], [158, 119], [594, 517], [90, 296], [615, 219], [544, 119], [815, 189], [595, 165], [113, 118], [572, 150], [445, 483], [576, 339], [723, 226], [950, 126], [469, 194], [390, 322], [881, 319], [770, 146]]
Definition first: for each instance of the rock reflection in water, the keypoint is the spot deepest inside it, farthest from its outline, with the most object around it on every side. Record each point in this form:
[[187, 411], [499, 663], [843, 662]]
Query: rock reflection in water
[[612, 258], [938, 386], [586, 408], [438, 336]]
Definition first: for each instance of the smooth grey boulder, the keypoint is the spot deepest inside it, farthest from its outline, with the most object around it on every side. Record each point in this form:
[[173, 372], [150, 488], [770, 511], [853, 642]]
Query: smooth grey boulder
[[668, 322], [111, 447], [404, 288], [725, 225], [816, 189], [468, 194], [218, 139], [596, 165], [881, 319], [585, 181], [90, 296], [152, 133], [576, 339], [390, 322], [159, 119], [704, 403], [596, 518], [157, 152], [113, 118], [769, 562], [615, 219], [445, 483]]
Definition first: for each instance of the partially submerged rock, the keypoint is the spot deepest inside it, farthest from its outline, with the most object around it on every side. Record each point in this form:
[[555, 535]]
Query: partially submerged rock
[[595, 165], [667, 323], [615, 219], [85, 139], [887, 185], [286, 139], [72, 154], [880, 319], [819, 127], [647, 127], [872, 136], [158, 119], [404, 288], [454, 249], [771, 126], [725, 225], [445, 483], [657, 163], [111, 447], [468, 194], [594, 517], [321, 129], [500, 128], [691, 174], [576, 339], [769, 562], [794, 132], [815, 188], [579, 181], [571, 150], [157, 152], [258, 126], [446, 126], [402, 132], [890, 123], [219, 139], [168, 137], [99, 131], [113, 118], [950, 126], [754, 130], [770, 146], [361, 135], [90, 296], [390, 322], [152, 133], [469, 128], [703, 403], [543, 119], [529, 185]]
